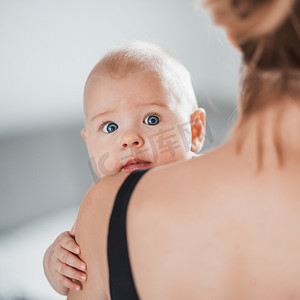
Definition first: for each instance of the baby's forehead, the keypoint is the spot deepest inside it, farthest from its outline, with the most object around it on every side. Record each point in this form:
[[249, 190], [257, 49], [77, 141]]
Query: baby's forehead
[[139, 81], [151, 88]]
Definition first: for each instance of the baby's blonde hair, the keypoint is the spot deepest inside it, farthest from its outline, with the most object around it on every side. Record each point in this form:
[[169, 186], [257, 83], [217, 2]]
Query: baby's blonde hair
[[148, 57]]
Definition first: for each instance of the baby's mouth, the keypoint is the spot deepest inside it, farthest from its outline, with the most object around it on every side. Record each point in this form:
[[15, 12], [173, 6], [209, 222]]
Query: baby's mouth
[[135, 164]]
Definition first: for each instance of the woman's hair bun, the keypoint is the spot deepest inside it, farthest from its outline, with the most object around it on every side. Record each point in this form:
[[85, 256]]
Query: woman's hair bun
[[250, 19]]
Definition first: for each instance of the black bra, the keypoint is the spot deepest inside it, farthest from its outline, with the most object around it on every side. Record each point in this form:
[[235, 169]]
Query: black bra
[[121, 282]]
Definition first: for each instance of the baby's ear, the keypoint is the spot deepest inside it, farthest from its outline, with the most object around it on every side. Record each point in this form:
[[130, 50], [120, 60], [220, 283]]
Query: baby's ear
[[83, 134], [198, 119]]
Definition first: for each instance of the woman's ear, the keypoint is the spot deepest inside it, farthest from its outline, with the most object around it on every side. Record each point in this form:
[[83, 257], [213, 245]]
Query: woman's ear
[[233, 42], [198, 129], [83, 134]]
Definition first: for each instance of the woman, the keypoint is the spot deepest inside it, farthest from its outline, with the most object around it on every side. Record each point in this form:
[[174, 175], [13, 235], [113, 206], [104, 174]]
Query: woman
[[225, 225]]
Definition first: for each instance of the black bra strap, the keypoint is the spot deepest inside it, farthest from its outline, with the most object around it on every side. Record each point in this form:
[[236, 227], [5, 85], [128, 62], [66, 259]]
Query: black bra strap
[[120, 276]]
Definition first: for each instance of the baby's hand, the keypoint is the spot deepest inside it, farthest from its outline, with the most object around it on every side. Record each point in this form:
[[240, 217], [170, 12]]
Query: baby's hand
[[65, 269]]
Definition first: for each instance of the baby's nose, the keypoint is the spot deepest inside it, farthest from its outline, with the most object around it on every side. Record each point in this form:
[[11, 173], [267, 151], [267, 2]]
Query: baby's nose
[[131, 139]]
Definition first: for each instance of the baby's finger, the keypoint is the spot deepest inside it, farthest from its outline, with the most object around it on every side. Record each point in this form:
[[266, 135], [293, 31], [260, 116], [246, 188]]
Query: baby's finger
[[70, 272], [70, 259], [69, 244], [68, 283]]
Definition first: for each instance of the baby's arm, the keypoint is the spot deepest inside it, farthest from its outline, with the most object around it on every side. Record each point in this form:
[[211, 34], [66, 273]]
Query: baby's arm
[[62, 265]]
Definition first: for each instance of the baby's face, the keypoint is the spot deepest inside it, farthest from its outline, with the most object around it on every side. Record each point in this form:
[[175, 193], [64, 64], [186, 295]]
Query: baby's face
[[133, 123]]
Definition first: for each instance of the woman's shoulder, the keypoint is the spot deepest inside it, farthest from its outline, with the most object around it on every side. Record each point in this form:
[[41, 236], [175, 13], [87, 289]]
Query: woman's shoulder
[[171, 192], [91, 234], [169, 181], [98, 203], [162, 216]]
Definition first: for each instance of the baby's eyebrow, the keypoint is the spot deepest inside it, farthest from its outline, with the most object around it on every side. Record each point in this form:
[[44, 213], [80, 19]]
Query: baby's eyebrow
[[142, 104], [101, 114], [153, 104]]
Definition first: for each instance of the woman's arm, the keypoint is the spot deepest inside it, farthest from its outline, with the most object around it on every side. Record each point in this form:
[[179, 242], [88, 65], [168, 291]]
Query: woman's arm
[[91, 235]]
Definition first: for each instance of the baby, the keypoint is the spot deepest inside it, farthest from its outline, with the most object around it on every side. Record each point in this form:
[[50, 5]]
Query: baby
[[140, 112]]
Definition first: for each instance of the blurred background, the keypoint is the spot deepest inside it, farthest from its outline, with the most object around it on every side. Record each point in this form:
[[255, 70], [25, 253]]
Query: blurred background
[[47, 51]]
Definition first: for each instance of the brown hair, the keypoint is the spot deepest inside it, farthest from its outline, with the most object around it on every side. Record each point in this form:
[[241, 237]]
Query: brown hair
[[268, 33]]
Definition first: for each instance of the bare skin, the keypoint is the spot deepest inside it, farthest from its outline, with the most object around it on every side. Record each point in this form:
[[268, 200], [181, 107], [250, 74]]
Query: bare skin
[[225, 232]]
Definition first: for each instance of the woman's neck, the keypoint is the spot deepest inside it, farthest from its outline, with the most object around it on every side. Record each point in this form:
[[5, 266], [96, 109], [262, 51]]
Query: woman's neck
[[271, 136]]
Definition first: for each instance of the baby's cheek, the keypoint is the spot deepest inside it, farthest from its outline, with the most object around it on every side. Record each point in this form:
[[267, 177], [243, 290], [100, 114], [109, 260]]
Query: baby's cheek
[[107, 164], [102, 163], [170, 148], [171, 157]]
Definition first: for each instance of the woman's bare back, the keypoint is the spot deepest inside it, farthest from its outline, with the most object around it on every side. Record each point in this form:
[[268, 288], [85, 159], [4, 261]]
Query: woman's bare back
[[236, 234]]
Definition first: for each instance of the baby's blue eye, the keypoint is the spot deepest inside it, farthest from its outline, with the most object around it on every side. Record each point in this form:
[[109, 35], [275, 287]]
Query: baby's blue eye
[[110, 127], [152, 120]]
